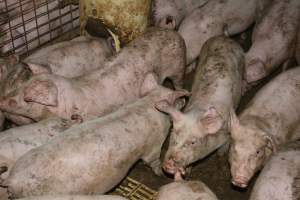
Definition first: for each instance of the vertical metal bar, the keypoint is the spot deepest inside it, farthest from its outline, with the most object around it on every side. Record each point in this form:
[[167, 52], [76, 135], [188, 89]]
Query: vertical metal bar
[[36, 22]]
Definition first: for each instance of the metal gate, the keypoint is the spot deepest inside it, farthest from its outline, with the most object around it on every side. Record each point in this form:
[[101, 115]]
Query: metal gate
[[27, 24]]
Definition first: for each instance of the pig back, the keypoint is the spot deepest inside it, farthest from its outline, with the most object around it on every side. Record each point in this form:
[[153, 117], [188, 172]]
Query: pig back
[[92, 157]]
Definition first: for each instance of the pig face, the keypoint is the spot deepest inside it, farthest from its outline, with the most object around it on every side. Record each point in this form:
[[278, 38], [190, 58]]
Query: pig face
[[165, 14], [31, 99], [191, 137], [250, 147]]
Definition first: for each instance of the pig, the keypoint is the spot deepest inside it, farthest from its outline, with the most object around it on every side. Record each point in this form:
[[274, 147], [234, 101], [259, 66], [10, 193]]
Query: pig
[[280, 178], [273, 39], [101, 91], [76, 197], [216, 18], [185, 190], [79, 161], [30, 26], [203, 125], [69, 59], [267, 121], [169, 13], [17, 141]]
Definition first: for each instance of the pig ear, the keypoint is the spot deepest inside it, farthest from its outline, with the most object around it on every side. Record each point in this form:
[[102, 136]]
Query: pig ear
[[43, 92], [271, 144], [38, 69], [212, 121], [150, 83], [165, 107], [234, 123], [178, 98]]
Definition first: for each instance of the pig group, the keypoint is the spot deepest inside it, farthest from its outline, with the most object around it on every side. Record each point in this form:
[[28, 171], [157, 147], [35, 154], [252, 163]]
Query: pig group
[[89, 113]]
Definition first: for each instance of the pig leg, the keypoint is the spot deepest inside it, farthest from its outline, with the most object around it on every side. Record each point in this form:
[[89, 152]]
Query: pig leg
[[153, 160]]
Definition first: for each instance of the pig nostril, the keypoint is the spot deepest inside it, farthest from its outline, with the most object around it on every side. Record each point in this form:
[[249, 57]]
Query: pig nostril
[[169, 20], [3, 169]]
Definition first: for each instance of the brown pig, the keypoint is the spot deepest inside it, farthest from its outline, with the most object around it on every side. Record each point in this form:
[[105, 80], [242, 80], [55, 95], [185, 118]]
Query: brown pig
[[93, 157], [103, 90], [202, 127], [273, 39], [268, 120]]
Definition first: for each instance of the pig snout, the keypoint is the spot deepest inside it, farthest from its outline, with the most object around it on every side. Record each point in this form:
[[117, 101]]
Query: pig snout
[[240, 181], [6, 103], [255, 71], [167, 22], [172, 165]]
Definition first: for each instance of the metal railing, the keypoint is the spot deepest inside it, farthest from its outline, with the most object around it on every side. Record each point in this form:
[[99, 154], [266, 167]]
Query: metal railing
[[27, 24]]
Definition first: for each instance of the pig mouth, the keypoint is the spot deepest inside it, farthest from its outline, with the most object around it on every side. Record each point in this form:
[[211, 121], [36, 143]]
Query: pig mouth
[[240, 181], [172, 167]]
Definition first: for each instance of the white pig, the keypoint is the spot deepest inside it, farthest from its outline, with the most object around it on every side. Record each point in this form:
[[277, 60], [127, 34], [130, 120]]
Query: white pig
[[280, 178], [169, 13], [185, 190], [69, 59], [203, 126], [273, 39], [268, 121], [94, 156], [215, 18], [103, 90], [17, 141]]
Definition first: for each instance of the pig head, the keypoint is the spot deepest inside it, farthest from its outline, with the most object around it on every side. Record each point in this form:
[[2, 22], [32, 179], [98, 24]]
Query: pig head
[[251, 146], [194, 134]]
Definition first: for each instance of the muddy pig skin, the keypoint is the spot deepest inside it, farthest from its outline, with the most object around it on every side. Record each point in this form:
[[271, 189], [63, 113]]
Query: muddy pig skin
[[119, 82], [280, 178], [72, 58], [185, 190], [76, 197], [94, 156], [202, 127], [268, 121], [169, 13], [17, 141], [215, 18], [69, 59], [273, 39]]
